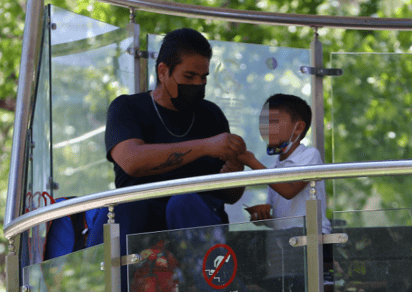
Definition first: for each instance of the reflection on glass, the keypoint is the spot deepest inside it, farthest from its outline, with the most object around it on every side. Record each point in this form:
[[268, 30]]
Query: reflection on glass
[[79, 271], [242, 76], [378, 254], [372, 116], [253, 258], [90, 67]]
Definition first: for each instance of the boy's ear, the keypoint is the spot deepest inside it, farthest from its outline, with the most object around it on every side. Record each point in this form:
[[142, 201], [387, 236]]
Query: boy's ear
[[301, 125]]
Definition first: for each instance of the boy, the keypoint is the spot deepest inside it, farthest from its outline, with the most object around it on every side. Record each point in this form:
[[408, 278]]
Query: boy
[[283, 123]]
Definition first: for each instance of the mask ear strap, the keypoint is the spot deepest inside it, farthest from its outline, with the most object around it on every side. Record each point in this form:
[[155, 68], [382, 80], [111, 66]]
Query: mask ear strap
[[297, 137], [290, 142]]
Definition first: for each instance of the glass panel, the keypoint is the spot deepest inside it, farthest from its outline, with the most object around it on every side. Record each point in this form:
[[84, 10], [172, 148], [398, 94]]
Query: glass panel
[[372, 116], [38, 188], [378, 255], [242, 76], [90, 67], [78, 271], [252, 258]]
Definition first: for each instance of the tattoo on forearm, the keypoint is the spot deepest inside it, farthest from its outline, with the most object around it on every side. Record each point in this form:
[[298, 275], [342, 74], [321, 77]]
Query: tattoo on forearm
[[173, 160]]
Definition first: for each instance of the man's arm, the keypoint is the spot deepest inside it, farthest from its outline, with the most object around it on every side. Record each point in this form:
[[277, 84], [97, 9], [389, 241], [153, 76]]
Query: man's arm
[[231, 196], [286, 190], [139, 159]]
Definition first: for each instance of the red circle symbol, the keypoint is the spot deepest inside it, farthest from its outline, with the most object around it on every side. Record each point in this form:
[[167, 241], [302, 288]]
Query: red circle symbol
[[221, 261]]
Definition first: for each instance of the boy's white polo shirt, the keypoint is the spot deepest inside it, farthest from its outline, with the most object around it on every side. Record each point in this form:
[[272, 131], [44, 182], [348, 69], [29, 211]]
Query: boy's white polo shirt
[[282, 207]]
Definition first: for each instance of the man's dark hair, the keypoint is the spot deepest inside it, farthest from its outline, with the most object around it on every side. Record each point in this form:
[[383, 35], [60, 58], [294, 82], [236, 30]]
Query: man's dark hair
[[179, 42], [293, 105]]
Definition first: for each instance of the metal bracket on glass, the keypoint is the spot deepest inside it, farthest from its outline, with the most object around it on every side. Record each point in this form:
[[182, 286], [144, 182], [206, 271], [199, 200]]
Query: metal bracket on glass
[[321, 71], [327, 239], [126, 260], [130, 259], [25, 288], [141, 54]]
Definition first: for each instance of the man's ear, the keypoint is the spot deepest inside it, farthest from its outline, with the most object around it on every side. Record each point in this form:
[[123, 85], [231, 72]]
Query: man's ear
[[162, 72]]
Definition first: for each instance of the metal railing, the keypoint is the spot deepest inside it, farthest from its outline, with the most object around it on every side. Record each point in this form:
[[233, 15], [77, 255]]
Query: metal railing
[[205, 183], [268, 18]]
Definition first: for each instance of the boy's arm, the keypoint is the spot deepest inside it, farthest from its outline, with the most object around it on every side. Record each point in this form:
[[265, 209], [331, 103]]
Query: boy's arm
[[286, 190]]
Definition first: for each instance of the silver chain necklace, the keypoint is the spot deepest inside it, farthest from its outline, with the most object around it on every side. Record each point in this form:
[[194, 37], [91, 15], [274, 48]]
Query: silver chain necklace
[[160, 117]]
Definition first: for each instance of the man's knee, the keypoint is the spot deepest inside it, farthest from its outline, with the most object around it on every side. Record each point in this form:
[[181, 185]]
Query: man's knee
[[183, 203]]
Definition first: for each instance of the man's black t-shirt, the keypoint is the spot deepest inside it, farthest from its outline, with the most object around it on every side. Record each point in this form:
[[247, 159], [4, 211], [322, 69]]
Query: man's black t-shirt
[[134, 116]]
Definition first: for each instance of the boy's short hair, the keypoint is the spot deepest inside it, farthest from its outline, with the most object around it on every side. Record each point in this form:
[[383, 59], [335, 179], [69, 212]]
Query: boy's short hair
[[293, 105], [179, 42]]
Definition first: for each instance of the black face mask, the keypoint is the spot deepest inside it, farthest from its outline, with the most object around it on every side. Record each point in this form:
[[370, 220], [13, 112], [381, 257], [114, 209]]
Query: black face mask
[[188, 96]]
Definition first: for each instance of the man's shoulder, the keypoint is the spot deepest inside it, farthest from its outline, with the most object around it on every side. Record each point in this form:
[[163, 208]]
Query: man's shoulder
[[209, 105], [209, 109], [130, 99]]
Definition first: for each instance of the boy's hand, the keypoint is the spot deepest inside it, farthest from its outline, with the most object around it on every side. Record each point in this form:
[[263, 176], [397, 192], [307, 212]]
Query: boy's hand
[[246, 157], [260, 212]]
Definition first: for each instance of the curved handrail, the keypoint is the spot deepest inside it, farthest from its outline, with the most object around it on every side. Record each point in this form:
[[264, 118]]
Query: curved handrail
[[268, 18], [205, 183]]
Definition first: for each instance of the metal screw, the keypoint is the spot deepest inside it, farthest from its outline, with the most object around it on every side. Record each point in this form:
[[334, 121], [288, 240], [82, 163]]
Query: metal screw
[[11, 246], [293, 241], [53, 26], [110, 215], [135, 258], [153, 55], [131, 15], [343, 238], [31, 157]]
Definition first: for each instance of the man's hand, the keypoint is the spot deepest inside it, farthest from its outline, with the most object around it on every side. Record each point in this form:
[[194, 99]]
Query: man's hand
[[231, 196], [225, 146], [232, 166]]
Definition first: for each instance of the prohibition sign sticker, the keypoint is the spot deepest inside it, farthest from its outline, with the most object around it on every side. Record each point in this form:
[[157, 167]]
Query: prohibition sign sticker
[[219, 266]]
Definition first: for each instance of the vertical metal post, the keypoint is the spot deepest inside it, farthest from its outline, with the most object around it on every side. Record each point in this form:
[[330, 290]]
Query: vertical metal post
[[315, 241], [111, 238], [318, 135], [28, 72], [12, 269], [134, 30]]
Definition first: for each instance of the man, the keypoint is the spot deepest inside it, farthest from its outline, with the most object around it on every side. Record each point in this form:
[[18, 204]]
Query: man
[[172, 133]]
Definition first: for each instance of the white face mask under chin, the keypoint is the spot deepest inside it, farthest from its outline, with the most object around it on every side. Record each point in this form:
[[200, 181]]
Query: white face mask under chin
[[285, 146]]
